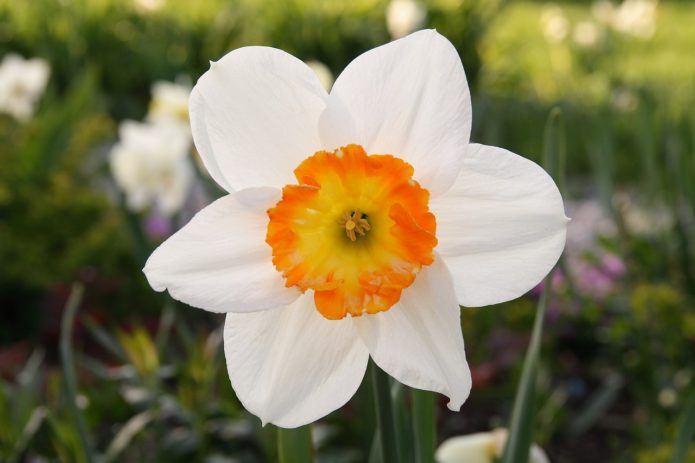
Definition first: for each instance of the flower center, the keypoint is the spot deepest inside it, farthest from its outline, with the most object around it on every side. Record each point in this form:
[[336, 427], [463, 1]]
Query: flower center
[[356, 230], [355, 224]]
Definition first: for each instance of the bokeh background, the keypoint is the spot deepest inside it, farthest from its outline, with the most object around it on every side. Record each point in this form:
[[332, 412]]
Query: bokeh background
[[97, 168]]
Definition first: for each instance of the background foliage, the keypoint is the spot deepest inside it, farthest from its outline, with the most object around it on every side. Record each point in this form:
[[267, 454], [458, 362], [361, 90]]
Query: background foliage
[[617, 356]]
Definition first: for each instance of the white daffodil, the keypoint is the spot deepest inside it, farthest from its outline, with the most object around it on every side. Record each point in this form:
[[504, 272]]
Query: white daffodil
[[22, 82], [483, 447], [404, 17], [169, 102], [355, 224], [150, 164]]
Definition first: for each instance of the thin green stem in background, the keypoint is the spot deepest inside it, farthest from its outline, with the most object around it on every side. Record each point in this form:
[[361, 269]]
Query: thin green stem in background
[[520, 437], [520, 434], [386, 430], [294, 445], [68, 365], [424, 425], [554, 148]]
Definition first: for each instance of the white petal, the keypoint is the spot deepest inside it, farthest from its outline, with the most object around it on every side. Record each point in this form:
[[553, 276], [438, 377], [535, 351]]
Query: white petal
[[292, 366], [219, 261], [471, 448], [501, 227], [408, 98], [418, 341], [254, 116]]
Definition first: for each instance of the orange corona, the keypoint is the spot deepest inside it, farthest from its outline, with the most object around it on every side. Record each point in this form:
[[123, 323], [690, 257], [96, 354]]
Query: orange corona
[[356, 230]]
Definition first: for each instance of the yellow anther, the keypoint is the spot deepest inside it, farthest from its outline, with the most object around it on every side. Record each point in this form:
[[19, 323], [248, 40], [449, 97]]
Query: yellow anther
[[354, 224]]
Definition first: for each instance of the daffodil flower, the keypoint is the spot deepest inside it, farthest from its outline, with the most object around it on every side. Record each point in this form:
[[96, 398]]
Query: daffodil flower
[[22, 82], [150, 164], [482, 447], [355, 225]]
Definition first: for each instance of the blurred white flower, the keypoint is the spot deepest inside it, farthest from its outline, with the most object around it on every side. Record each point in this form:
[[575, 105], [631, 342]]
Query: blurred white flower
[[148, 6], [624, 99], [603, 11], [483, 447], [554, 24], [636, 18], [150, 164], [586, 34], [22, 82], [667, 397], [641, 219], [404, 17], [169, 101], [323, 72]]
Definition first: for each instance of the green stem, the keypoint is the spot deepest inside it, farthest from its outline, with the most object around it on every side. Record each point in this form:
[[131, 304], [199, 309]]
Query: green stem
[[68, 365], [384, 415], [424, 425], [520, 435], [294, 445]]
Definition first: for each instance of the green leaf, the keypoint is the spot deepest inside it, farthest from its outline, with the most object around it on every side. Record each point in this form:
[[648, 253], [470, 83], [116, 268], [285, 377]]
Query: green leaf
[[294, 445], [598, 404], [68, 363], [126, 434]]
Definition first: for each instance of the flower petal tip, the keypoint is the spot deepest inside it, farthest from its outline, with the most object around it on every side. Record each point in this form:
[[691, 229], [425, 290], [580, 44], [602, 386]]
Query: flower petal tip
[[454, 407]]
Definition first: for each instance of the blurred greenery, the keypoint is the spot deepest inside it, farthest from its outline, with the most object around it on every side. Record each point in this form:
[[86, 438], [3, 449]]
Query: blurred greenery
[[617, 360]]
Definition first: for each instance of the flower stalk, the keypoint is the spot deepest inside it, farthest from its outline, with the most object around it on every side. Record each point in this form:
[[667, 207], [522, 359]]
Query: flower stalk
[[386, 430], [294, 445], [424, 425], [518, 446]]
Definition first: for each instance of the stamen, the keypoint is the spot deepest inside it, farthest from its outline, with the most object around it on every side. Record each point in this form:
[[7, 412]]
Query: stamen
[[354, 224]]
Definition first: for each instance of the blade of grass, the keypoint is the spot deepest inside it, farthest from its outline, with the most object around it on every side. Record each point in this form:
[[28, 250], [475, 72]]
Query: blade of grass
[[126, 434], [68, 365], [598, 404], [294, 445]]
